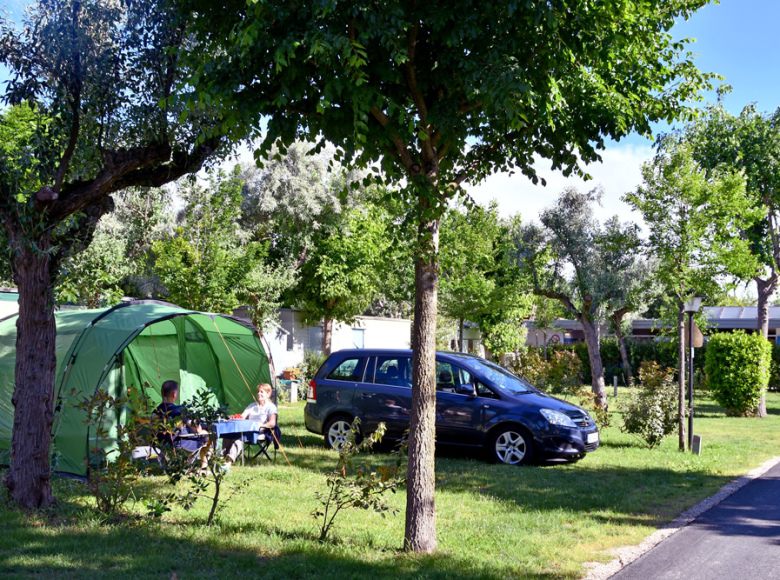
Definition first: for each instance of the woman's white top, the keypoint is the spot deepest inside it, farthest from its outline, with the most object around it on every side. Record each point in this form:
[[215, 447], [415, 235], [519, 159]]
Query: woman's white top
[[254, 412]]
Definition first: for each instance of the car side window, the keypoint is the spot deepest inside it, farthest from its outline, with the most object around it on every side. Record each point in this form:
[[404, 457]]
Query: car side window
[[350, 369], [393, 370], [484, 391], [453, 379], [445, 377]]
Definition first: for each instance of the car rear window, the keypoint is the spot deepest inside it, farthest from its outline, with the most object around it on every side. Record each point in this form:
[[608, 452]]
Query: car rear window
[[350, 369]]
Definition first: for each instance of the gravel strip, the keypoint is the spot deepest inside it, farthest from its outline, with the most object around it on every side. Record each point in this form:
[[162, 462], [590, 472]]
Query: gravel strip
[[627, 554]]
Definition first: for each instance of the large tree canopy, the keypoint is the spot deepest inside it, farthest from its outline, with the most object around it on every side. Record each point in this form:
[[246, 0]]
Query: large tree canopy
[[439, 93], [92, 87]]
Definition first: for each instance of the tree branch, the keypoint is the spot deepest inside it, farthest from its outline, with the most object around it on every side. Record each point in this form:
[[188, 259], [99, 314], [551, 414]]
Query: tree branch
[[75, 105], [562, 298], [403, 150], [486, 150], [151, 166]]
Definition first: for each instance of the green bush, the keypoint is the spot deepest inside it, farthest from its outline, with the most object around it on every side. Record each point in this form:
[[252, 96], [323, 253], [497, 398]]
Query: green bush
[[651, 413], [560, 373], [774, 371], [738, 370]]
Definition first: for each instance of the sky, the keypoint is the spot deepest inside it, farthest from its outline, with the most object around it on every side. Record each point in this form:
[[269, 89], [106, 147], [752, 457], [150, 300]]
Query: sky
[[737, 39]]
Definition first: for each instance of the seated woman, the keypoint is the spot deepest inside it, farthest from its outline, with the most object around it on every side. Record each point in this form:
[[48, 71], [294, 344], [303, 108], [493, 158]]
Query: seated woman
[[263, 412], [169, 413]]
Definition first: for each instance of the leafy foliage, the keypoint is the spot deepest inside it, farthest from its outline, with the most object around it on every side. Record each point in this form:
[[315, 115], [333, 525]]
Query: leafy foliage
[[114, 479], [207, 483], [480, 282], [359, 485], [433, 95], [312, 361], [651, 413], [738, 366], [694, 221], [598, 411], [92, 112], [561, 373], [748, 143], [594, 271]]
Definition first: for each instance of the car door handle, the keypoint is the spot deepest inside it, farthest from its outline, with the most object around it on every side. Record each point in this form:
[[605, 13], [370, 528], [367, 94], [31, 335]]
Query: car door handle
[[367, 395]]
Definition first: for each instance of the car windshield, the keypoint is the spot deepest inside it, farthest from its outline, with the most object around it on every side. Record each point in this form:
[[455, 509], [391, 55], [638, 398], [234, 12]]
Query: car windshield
[[500, 377]]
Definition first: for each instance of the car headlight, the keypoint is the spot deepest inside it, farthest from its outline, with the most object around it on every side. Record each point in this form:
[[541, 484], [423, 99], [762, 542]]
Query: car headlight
[[557, 418]]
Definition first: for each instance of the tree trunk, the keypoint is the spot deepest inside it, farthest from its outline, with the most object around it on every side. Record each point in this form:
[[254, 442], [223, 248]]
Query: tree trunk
[[420, 533], [29, 478], [594, 355], [683, 440], [462, 346], [623, 350], [327, 335], [766, 288]]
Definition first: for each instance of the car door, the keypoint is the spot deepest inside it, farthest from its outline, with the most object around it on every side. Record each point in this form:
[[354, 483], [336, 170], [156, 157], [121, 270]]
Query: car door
[[459, 416], [385, 395]]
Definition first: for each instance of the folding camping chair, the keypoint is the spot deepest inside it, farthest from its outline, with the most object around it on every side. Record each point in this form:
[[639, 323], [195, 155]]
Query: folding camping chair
[[271, 437], [147, 448], [190, 443]]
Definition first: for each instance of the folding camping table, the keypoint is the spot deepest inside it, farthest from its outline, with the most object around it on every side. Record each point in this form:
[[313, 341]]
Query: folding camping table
[[250, 433]]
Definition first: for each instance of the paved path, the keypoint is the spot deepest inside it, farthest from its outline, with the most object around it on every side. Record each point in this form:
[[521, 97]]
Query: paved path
[[737, 539]]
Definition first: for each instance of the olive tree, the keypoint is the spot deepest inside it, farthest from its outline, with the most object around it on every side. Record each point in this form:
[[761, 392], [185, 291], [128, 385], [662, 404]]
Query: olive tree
[[589, 268], [93, 111]]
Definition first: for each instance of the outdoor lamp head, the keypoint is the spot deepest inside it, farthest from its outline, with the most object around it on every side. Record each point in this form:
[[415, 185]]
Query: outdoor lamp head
[[693, 304]]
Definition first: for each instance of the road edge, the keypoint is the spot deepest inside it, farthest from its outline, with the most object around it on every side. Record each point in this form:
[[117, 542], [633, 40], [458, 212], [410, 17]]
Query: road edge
[[627, 554]]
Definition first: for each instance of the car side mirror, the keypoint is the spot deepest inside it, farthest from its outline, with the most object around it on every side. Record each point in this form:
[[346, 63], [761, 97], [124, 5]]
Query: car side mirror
[[466, 389]]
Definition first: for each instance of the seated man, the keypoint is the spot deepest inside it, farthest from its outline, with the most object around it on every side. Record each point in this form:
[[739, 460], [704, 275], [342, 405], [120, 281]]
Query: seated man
[[168, 412], [263, 412]]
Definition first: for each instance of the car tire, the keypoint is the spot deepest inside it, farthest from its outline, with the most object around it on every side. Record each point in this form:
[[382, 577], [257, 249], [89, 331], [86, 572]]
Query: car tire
[[511, 445], [336, 431]]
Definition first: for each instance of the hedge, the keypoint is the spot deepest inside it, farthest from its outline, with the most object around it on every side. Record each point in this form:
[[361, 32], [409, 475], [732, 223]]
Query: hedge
[[738, 366]]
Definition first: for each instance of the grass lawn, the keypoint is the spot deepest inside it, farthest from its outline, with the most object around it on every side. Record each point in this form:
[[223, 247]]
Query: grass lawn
[[493, 521]]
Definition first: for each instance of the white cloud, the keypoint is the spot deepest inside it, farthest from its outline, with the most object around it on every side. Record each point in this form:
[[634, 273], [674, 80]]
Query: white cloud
[[618, 173]]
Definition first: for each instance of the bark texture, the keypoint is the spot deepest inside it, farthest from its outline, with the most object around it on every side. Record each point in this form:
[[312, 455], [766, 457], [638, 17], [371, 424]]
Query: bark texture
[[621, 339], [28, 479], [592, 337], [420, 532], [327, 336], [681, 407], [766, 288]]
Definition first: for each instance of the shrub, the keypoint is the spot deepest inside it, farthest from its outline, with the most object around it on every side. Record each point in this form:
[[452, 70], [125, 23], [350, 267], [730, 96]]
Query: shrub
[[599, 413], [564, 371], [113, 481], [738, 370], [531, 365], [651, 413], [359, 485], [559, 374], [774, 371], [312, 361]]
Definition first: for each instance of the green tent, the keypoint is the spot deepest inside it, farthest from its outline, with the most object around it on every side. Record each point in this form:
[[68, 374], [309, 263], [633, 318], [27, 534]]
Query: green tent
[[133, 348]]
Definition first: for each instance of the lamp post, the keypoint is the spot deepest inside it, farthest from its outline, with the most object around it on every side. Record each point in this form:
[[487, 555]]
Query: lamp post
[[691, 307]]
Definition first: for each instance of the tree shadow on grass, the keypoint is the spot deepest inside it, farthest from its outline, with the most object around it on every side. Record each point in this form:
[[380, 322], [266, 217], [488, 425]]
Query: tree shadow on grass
[[160, 551], [648, 495]]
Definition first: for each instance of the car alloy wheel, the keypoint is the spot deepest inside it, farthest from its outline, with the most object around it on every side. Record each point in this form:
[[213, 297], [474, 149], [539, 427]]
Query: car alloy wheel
[[512, 447], [337, 433]]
